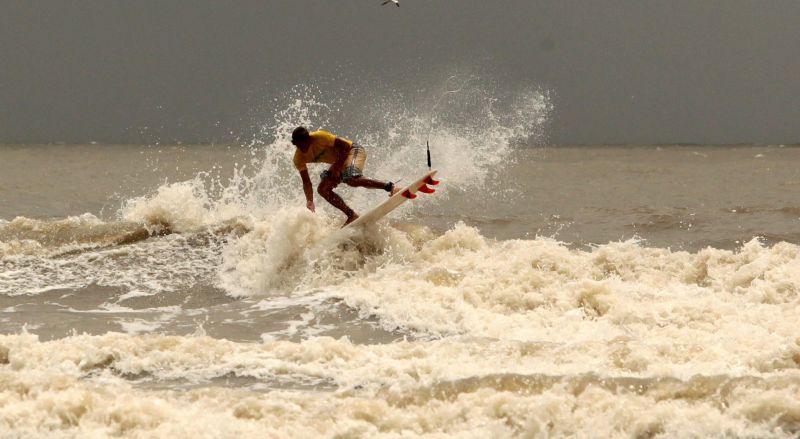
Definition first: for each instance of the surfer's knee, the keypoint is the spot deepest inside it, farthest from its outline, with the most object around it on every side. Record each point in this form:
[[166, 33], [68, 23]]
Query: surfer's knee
[[325, 187]]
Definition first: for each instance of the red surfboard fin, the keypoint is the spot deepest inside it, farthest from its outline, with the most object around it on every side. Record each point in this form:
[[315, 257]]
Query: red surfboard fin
[[425, 189], [431, 181], [409, 195]]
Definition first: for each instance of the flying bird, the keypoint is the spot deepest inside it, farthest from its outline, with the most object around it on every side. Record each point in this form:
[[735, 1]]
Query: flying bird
[[396, 2]]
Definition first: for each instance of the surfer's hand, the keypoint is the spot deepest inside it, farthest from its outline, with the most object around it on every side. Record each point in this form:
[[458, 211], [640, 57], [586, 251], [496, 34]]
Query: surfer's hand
[[310, 206]]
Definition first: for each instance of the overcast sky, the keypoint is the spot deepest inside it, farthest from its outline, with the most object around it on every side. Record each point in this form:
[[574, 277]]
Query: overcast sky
[[621, 71]]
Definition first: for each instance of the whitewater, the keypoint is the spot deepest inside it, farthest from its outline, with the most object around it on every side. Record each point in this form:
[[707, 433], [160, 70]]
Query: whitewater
[[572, 291]]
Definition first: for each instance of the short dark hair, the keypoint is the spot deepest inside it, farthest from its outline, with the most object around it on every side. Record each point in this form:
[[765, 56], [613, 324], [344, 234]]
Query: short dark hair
[[299, 133]]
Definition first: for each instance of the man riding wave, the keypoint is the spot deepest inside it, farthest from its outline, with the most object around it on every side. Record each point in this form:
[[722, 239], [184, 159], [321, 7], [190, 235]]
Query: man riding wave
[[347, 161]]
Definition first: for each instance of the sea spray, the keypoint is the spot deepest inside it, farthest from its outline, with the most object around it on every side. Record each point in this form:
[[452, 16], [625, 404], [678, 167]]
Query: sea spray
[[471, 134]]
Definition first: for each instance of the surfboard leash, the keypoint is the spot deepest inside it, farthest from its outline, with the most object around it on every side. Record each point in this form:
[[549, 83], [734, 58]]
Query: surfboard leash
[[428, 146], [448, 91]]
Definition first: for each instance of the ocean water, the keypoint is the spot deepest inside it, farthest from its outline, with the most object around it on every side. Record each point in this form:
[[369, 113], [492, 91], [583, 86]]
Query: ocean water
[[543, 291]]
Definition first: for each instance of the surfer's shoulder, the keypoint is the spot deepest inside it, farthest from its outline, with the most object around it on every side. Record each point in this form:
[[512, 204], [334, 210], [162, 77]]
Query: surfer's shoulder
[[322, 134], [323, 138], [300, 160]]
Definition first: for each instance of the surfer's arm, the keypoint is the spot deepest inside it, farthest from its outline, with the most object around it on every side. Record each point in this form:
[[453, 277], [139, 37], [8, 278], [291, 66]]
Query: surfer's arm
[[307, 189], [342, 151]]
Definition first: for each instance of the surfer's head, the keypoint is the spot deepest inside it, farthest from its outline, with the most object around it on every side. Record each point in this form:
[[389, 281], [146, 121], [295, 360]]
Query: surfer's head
[[300, 137]]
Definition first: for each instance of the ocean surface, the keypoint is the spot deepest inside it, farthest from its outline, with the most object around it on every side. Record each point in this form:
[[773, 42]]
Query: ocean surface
[[542, 291]]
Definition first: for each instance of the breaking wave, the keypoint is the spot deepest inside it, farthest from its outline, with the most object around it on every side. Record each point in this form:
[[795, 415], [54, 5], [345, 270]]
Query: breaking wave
[[482, 337]]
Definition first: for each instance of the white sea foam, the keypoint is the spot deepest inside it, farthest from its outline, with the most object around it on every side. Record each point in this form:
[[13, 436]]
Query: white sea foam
[[181, 207], [644, 309], [26, 236], [137, 326], [465, 387], [161, 265], [20, 247]]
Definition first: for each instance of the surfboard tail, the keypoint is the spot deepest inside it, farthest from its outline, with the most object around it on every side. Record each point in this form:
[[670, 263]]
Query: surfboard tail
[[410, 192]]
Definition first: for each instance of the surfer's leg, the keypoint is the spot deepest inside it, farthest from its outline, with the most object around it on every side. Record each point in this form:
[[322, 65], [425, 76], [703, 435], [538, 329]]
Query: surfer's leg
[[366, 182], [353, 173], [325, 189], [372, 184]]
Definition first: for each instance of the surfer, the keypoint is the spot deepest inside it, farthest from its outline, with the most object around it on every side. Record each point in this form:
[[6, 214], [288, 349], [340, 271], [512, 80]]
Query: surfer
[[347, 161]]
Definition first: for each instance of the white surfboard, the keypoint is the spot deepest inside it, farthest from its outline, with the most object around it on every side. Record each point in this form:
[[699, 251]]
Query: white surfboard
[[423, 184]]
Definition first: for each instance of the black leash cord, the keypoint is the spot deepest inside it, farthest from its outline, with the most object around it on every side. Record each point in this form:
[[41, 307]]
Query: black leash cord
[[428, 146]]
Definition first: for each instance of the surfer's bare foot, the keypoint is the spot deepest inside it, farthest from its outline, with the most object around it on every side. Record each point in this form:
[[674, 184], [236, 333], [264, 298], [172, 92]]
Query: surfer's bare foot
[[350, 219]]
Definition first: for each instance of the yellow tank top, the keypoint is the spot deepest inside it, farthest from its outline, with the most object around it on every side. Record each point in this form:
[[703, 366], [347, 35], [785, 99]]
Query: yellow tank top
[[321, 150]]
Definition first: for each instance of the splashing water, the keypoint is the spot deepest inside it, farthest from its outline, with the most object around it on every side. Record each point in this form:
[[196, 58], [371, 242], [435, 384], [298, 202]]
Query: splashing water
[[471, 131]]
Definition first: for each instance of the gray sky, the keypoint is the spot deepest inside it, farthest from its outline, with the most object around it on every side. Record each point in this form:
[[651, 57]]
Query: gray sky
[[622, 71]]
